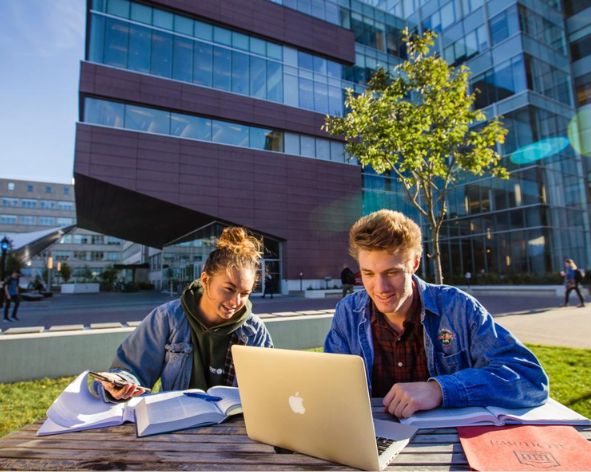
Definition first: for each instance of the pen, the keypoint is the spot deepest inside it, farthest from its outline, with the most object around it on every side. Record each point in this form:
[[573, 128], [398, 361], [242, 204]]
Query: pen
[[204, 396]]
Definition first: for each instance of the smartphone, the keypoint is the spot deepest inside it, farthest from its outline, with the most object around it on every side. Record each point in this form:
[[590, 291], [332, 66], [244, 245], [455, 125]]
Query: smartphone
[[108, 377]]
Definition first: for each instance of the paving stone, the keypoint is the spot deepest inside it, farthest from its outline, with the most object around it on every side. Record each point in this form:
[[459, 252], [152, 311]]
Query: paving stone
[[24, 330], [74, 327], [105, 325]]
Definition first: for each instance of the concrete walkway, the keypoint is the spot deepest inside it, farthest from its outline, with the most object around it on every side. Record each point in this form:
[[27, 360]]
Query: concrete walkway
[[567, 326]]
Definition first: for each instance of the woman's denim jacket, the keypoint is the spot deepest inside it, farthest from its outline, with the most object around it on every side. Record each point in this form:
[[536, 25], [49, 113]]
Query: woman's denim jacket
[[475, 361], [161, 347]]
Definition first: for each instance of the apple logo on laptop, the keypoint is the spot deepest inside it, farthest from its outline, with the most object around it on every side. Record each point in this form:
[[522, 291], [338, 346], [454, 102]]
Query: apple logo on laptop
[[296, 403]]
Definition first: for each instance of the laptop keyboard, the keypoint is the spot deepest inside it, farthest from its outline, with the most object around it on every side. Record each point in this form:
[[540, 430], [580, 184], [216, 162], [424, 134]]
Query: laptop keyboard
[[383, 444]]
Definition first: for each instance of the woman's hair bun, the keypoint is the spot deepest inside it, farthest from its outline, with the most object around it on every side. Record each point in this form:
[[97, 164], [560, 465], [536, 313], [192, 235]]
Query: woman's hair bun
[[234, 248]]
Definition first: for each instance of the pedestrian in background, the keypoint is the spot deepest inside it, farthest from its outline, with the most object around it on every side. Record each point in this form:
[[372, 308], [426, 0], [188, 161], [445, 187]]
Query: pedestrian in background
[[12, 295], [347, 280], [269, 284], [573, 276]]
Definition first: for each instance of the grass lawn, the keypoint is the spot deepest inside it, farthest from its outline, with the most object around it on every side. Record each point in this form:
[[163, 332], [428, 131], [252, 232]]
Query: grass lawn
[[569, 370]]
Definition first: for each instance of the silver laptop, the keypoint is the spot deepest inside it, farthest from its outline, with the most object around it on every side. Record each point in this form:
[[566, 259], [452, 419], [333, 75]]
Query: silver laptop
[[317, 404]]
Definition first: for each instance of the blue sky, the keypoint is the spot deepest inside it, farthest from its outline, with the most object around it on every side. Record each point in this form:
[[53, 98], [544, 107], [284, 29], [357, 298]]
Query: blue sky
[[41, 45]]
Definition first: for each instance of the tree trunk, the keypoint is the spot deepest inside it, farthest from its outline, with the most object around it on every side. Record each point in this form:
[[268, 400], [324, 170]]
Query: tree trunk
[[437, 255]]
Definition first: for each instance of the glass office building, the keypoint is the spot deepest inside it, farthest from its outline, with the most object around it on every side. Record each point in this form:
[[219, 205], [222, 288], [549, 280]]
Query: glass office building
[[194, 114], [521, 63]]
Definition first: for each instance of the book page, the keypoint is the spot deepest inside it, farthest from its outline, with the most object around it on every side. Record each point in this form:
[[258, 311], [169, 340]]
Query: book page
[[76, 409], [171, 406], [448, 417], [552, 412], [171, 411], [230, 403]]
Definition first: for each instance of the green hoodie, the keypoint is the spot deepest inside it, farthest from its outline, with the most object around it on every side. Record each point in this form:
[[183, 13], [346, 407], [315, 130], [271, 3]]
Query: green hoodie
[[210, 343]]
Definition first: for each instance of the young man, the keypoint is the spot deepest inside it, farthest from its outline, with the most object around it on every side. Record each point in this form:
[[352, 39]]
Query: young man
[[425, 345], [11, 295]]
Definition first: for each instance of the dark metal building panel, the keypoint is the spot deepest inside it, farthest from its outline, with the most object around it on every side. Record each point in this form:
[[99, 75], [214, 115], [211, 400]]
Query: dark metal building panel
[[177, 185]]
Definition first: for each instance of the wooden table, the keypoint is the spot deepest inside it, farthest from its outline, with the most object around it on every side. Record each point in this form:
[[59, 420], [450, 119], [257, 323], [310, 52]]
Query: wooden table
[[220, 447]]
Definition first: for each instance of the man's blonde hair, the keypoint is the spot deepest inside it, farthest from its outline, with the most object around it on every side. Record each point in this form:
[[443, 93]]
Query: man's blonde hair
[[385, 230]]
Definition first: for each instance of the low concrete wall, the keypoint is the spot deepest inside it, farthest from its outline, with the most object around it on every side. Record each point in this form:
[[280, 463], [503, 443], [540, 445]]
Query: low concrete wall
[[31, 356]]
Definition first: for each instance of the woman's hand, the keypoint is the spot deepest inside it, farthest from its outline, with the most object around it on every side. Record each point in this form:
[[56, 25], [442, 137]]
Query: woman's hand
[[124, 392]]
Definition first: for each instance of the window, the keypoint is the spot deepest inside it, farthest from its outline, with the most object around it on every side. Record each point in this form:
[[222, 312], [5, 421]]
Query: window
[[65, 206], [581, 48], [229, 133], [10, 202], [80, 255], [583, 89], [504, 25], [147, 119], [65, 221], [47, 204], [27, 220], [97, 255], [46, 220], [97, 239], [193, 127], [11, 186], [29, 188], [61, 255], [66, 190], [7, 219], [28, 203]]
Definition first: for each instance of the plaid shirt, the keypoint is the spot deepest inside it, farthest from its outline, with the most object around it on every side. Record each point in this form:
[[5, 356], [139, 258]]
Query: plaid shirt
[[399, 357]]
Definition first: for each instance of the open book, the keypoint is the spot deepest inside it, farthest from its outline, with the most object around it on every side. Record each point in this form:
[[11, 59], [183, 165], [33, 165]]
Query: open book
[[76, 409], [171, 411], [552, 412]]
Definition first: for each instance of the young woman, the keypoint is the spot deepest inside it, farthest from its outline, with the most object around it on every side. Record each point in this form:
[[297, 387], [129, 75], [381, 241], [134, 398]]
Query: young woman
[[186, 342], [571, 281]]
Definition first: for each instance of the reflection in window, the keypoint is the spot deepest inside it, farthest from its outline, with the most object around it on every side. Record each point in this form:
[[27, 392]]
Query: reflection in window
[[229, 133], [193, 127], [147, 119], [104, 113]]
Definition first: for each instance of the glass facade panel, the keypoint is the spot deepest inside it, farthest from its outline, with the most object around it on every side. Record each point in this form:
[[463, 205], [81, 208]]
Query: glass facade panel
[[103, 112], [193, 127], [240, 72], [147, 119], [222, 68], [140, 43], [161, 57], [229, 133], [115, 49], [258, 76], [203, 64], [182, 62]]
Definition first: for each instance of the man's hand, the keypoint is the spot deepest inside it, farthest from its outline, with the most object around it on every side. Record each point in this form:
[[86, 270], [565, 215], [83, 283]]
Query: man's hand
[[404, 399]]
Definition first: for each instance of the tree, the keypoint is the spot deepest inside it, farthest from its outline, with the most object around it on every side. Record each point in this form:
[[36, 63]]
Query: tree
[[65, 271], [108, 277], [420, 125], [86, 274]]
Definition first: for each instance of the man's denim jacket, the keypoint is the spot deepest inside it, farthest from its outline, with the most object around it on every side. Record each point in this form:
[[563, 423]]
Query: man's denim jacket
[[161, 347], [475, 361]]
